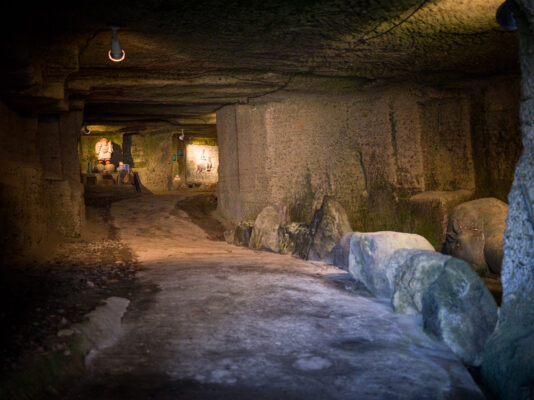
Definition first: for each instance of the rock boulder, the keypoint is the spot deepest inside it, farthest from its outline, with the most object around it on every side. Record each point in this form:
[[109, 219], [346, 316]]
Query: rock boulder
[[329, 224], [340, 253], [459, 309], [265, 234], [475, 234], [414, 277], [508, 367], [294, 239], [370, 254], [243, 232]]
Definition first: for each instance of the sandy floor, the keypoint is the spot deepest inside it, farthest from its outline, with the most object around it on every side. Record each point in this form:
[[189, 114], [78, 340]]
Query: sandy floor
[[226, 322]]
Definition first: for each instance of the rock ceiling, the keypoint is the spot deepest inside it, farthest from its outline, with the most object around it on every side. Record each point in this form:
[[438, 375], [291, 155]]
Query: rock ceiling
[[186, 59]]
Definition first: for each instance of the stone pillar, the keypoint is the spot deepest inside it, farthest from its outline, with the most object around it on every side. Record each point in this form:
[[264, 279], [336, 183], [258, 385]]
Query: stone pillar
[[508, 367], [23, 225], [41, 195], [228, 187], [63, 200], [70, 124]]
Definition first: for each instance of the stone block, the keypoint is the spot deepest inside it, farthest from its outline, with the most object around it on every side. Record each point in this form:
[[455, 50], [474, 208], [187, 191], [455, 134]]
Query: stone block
[[415, 276], [329, 224], [475, 233], [370, 254], [294, 238], [459, 309], [243, 232], [340, 253], [427, 213], [266, 233]]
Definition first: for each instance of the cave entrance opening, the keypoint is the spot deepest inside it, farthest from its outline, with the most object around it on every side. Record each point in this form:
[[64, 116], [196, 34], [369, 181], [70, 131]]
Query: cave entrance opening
[[156, 158]]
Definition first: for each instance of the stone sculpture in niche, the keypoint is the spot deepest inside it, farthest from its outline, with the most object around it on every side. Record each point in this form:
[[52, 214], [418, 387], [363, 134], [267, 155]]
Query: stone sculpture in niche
[[475, 233], [204, 164], [104, 149]]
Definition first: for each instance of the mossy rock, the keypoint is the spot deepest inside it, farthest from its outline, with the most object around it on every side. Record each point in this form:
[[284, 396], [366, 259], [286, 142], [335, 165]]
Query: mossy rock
[[294, 238]]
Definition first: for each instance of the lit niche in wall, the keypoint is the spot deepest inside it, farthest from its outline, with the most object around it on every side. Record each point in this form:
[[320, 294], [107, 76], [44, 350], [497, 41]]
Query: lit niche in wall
[[202, 161]]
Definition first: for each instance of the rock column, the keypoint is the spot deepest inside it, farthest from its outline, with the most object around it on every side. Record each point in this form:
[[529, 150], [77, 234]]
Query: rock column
[[508, 367]]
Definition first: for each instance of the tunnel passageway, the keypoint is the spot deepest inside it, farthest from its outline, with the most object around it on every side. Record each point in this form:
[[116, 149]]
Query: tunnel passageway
[[328, 130], [227, 322]]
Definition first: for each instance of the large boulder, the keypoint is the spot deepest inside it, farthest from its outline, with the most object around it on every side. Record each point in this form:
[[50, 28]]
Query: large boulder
[[475, 233], [329, 224], [340, 253], [415, 276], [370, 254], [294, 238], [265, 234], [243, 232], [398, 261], [459, 309]]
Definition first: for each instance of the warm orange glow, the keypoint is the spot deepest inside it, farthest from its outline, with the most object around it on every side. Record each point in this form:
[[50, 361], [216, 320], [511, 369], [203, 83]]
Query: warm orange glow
[[117, 59]]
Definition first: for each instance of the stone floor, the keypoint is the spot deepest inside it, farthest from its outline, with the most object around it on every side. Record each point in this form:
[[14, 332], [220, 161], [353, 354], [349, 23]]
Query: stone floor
[[223, 322]]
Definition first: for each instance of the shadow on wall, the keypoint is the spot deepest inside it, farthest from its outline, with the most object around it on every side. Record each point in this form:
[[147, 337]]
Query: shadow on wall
[[127, 150], [117, 155], [127, 158]]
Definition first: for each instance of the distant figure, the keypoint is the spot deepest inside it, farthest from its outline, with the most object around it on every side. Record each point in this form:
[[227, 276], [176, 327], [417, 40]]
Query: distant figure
[[104, 149], [204, 164]]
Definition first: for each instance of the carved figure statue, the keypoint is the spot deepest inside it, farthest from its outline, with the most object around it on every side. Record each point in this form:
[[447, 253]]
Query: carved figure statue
[[204, 164], [99, 167], [109, 167], [104, 149], [475, 234]]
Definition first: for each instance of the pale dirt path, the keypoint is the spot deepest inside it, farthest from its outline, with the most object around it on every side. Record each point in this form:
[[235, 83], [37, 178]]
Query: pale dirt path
[[225, 322]]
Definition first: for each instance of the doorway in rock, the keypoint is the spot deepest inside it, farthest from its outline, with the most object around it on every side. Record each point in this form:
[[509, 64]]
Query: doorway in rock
[[128, 158]]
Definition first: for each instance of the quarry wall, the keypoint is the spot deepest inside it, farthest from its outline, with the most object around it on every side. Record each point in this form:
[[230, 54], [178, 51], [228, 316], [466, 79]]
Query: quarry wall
[[162, 161], [41, 196], [369, 148]]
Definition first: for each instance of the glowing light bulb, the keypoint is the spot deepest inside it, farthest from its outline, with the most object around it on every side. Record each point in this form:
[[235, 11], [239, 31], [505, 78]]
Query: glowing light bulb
[[116, 54]]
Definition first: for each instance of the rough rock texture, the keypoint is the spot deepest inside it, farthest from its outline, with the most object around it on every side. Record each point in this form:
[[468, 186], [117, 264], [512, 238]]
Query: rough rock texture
[[508, 367], [371, 252], [280, 147], [329, 224], [294, 239], [427, 213], [40, 192], [152, 160], [399, 261], [243, 232], [266, 233], [222, 53], [475, 233], [459, 309], [229, 236], [341, 251], [419, 271]]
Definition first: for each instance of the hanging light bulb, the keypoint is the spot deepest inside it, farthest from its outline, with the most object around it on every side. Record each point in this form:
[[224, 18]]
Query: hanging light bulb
[[182, 136], [86, 130], [116, 54], [505, 17]]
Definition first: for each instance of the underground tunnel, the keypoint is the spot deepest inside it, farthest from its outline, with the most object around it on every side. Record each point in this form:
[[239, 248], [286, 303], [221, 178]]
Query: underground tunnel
[[267, 200]]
